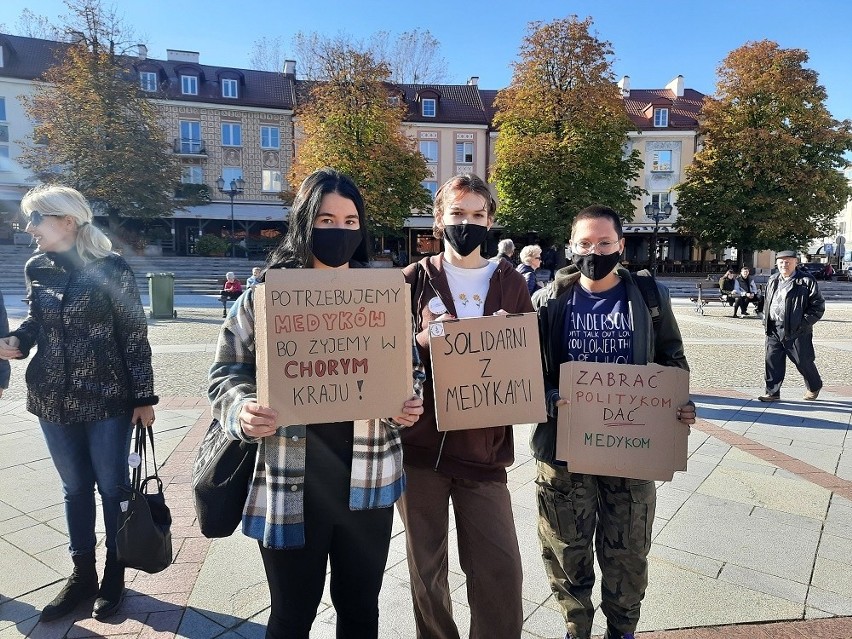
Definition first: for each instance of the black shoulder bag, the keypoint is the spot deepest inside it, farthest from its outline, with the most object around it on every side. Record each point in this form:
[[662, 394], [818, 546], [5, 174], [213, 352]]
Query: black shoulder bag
[[144, 538]]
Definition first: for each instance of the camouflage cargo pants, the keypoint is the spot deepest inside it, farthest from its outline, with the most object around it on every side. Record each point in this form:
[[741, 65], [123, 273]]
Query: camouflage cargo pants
[[617, 514]]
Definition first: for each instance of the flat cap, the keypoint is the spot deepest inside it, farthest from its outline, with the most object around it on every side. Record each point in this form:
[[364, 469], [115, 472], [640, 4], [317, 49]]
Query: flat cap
[[785, 254]]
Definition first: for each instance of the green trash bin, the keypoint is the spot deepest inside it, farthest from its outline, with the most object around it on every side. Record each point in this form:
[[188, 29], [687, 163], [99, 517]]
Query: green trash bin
[[161, 292]]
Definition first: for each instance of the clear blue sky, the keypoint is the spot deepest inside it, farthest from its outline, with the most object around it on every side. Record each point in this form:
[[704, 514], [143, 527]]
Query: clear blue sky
[[653, 41]]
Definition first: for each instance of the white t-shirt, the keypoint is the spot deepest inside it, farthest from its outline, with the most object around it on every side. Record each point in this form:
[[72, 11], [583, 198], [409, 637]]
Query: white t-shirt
[[469, 287]]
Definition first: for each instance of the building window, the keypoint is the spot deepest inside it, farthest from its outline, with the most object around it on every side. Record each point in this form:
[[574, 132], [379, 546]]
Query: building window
[[192, 174], [189, 84], [464, 152], [270, 137], [272, 181], [231, 134], [147, 80], [661, 117], [229, 88], [661, 161], [3, 109], [190, 136], [393, 100], [429, 149], [431, 186], [429, 107], [230, 174], [660, 200], [4, 133], [5, 163]]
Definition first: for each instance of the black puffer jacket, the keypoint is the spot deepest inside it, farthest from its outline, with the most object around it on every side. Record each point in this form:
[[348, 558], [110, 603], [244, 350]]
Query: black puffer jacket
[[93, 360]]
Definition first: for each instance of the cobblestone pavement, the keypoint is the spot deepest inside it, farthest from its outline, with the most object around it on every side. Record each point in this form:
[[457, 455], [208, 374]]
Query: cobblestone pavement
[[753, 541]]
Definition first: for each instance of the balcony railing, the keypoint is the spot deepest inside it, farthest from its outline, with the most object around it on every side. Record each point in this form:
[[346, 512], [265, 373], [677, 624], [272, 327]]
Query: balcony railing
[[189, 146]]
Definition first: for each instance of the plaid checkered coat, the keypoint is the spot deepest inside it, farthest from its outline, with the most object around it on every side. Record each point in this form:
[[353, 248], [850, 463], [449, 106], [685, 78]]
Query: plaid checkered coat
[[274, 511]]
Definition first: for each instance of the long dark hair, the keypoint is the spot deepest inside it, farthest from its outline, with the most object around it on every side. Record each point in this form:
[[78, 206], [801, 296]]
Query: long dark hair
[[296, 249]]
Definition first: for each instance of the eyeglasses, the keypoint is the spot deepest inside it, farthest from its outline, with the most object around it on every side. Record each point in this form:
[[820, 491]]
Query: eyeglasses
[[37, 218], [604, 247]]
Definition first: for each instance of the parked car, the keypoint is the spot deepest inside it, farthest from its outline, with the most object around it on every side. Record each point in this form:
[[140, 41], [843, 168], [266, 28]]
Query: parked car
[[816, 269]]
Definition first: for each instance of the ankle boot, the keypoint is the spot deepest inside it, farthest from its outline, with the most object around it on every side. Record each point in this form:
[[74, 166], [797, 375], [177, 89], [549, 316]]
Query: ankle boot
[[111, 591], [81, 585]]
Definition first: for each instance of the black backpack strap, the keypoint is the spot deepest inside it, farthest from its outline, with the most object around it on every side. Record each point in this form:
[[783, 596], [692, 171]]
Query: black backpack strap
[[648, 287]]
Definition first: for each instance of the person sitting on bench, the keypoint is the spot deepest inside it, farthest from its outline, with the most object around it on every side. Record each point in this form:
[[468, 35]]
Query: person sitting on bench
[[745, 288], [726, 287], [230, 291]]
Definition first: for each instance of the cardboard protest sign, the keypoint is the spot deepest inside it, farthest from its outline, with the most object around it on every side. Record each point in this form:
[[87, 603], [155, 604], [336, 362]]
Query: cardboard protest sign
[[621, 420], [333, 345], [487, 371]]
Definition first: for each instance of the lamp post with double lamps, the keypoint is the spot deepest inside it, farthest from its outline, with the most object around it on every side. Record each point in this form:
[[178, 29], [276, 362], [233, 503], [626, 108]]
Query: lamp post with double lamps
[[654, 212], [235, 188]]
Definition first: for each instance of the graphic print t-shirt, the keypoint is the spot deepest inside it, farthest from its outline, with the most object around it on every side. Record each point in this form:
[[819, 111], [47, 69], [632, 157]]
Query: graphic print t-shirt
[[469, 287], [599, 327]]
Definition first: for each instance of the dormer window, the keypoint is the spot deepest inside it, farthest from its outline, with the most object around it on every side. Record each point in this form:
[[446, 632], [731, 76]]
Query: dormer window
[[229, 88], [428, 107], [147, 80], [1, 56], [189, 84], [661, 117], [393, 100]]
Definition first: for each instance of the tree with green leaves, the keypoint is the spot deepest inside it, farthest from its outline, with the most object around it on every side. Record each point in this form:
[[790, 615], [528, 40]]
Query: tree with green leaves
[[95, 129], [348, 122], [563, 128], [768, 175]]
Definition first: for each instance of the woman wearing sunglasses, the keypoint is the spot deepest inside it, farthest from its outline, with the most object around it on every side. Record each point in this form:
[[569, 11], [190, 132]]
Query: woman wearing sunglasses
[[89, 381]]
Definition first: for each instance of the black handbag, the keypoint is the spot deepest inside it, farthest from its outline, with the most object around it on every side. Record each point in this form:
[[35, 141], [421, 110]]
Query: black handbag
[[144, 538], [221, 476]]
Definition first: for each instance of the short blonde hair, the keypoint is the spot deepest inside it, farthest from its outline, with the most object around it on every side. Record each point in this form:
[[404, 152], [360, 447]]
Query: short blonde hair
[[63, 201], [529, 252]]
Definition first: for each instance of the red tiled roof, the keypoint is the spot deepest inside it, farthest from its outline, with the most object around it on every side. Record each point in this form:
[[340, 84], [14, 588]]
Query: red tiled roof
[[457, 104], [684, 111]]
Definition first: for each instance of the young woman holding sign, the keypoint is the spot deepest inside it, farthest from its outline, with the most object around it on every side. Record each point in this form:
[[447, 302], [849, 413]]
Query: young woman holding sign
[[324, 491], [467, 466]]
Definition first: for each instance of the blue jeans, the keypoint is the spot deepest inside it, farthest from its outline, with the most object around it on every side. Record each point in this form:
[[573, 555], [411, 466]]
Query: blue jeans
[[85, 454]]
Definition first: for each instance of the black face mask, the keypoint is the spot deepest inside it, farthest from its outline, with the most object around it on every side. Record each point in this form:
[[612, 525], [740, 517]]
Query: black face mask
[[464, 238], [335, 247], [594, 266]]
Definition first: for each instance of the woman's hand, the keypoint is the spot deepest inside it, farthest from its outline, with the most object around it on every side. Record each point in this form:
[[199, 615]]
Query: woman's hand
[[9, 348], [258, 421], [144, 414], [412, 409], [686, 413]]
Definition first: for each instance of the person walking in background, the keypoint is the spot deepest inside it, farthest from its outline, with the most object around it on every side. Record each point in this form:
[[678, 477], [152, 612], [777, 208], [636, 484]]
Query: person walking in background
[[793, 305], [231, 290], [530, 261], [505, 251], [745, 288], [349, 474], [576, 510], [90, 380], [467, 467], [5, 367], [254, 278]]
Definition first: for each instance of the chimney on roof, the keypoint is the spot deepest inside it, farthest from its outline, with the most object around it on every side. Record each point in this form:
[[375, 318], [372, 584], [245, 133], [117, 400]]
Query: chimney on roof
[[624, 85], [290, 68], [473, 81], [142, 51], [676, 86], [176, 55]]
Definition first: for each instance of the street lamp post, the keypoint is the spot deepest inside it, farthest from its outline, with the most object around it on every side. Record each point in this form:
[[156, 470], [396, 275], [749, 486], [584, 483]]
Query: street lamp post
[[654, 212], [236, 187]]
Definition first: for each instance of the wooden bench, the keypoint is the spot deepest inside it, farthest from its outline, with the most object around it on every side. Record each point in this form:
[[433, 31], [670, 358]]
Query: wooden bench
[[701, 299]]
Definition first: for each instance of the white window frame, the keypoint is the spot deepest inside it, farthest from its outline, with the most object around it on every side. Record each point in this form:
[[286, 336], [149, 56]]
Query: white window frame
[[432, 110], [661, 117], [148, 81], [268, 180], [431, 186], [232, 128], [2, 109], [657, 160], [266, 136], [660, 198], [188, 144], [230, 88], [231, 173], [192, 174], [462, 152], [189, 84], [428, 145]]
